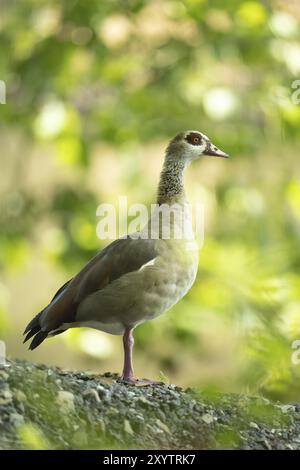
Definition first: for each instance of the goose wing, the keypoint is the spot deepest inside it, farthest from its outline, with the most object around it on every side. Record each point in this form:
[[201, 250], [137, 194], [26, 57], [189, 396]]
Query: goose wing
[[117, 259]]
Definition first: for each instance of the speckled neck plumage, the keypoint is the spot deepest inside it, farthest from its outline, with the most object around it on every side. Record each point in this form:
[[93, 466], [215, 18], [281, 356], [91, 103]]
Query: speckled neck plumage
[[171, 188]]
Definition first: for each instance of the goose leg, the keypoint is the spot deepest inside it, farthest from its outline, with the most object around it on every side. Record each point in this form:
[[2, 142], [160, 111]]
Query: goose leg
[[128, 375], [128, 342]]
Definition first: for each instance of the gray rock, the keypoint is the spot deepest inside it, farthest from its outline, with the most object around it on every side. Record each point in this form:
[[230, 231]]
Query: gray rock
[[74, 410], [16, 419], [65, 400]]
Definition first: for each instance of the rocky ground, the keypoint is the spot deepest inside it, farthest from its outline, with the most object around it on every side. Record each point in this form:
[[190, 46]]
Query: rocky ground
[[44, 407]]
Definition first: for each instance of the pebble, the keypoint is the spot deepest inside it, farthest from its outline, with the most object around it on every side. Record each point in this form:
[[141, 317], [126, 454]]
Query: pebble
[[287, 408], [110, 374], [65, 400], [103, 393], [3, 375], [112, 411], [16, 419], [267, 444], [19, 395], [163, 426], [5, 397], [207, 418], [127, 427], [92, 392], [143, 400]]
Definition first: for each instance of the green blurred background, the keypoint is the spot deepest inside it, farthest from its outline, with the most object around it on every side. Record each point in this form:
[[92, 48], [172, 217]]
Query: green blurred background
[[95, 89]]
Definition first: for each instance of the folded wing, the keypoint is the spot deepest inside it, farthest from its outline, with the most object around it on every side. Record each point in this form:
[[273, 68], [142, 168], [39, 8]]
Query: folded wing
[[117, 259]]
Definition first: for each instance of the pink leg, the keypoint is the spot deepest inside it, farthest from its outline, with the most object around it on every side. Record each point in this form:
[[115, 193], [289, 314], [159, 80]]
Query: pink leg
[[128, 342], [128, 375]]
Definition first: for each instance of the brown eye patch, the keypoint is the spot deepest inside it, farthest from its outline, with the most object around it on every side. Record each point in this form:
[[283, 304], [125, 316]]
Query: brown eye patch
[[194, 138]]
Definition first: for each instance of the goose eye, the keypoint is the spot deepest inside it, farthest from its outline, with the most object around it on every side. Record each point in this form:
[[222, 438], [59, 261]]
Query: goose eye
[[193, 138]]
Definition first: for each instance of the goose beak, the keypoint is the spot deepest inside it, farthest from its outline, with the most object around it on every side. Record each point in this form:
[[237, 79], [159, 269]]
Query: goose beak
[[213, 151]]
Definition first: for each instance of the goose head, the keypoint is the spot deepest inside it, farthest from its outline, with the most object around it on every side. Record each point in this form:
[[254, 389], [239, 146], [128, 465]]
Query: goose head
[[191, 145]]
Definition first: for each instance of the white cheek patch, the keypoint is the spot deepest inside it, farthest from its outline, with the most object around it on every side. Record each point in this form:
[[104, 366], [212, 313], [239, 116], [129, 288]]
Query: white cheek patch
[[196, 150], [202, 147]]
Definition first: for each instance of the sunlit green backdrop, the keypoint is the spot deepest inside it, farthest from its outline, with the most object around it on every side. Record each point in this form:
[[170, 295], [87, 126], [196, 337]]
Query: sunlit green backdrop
[[95, 89]]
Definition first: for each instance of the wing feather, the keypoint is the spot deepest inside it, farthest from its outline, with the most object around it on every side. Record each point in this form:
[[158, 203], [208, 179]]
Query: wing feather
[[117, 259]]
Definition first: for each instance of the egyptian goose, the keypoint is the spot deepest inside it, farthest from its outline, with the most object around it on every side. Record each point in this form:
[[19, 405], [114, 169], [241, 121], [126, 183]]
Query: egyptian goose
[[139, 276]]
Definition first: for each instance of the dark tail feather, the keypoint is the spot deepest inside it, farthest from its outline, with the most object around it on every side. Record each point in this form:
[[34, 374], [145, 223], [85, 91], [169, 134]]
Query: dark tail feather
[[34, 323], [34, 326], [32, 332], [34, 329], [38, 339]]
